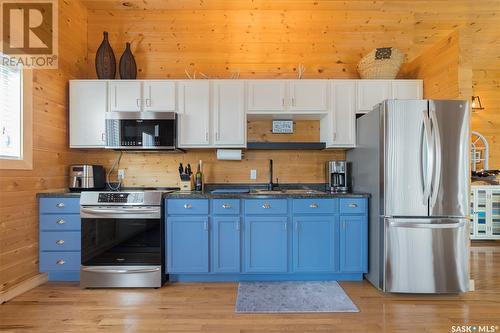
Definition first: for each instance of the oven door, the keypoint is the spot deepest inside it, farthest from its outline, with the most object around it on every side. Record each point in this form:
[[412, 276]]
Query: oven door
[[141, 130], [130, 236]]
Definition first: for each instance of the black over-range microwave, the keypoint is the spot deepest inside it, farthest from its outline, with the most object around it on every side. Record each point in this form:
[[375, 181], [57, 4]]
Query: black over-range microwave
[[141, 130]]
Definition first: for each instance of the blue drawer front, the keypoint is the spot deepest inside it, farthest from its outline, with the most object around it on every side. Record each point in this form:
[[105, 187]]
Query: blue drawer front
[[226, 207], [315, 206], [59, 261], [187, 206], [266, 207], [60, 241], [60, 222], [60, 205], [353, 206]]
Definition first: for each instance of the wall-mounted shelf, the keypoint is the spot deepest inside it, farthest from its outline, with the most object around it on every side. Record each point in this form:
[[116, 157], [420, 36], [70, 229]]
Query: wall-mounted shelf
[[286, 145]]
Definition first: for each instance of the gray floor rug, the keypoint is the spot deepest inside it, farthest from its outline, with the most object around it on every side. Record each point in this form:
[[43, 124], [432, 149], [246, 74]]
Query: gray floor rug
[[293, 296]]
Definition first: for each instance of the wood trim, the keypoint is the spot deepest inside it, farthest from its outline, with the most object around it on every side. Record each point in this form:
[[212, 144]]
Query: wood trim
[[26, 163], [23, 287]]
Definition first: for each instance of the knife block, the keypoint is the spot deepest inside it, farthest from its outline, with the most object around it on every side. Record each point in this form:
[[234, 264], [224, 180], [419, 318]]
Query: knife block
[[186, 185]]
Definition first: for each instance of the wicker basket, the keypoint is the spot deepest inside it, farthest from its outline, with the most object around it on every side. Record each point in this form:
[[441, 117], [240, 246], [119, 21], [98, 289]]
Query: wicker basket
[[381, 63]]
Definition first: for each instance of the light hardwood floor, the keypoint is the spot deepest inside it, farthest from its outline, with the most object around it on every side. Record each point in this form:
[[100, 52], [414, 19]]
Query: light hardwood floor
[[209, 307]]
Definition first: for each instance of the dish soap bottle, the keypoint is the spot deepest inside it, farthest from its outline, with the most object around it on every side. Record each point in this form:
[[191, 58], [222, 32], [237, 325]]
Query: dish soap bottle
[[198, 178]]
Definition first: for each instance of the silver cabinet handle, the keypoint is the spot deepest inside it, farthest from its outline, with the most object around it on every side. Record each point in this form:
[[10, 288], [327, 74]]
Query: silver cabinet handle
[[206, 136], [60, 242], [266, 206], [103, 137], [60, 221], [226, 206], [60, 205], [282, 102], [293, 101], [188, 206], [353, 205], [60, 262], [296, 226], [148, 102], [285, 225], [205, 225], [137, 102], [237, 225], [314, 205]]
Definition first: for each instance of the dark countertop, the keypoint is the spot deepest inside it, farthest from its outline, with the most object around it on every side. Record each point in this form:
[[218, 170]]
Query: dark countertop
[[208, 195], [209, 187]]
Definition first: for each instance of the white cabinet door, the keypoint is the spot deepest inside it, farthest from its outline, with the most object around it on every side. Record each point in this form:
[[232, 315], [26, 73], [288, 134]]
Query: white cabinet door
[[406, 89], [88, 102], [159, 96], [229, 113], [266, 95], [194, 113], [308, 95], [125, 95], [343, 113], [372, 92]]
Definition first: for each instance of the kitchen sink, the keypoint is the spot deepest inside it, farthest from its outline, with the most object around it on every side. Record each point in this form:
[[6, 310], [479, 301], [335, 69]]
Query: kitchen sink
[[285, 191]]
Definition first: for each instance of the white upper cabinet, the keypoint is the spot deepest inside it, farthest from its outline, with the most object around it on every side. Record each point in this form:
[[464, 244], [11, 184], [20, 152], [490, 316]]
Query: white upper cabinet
[[229, 119], [406, 89], [88, 102], [266, 95], [308, 95], [194, 113], [125, 95], [159, 95], [143, 95], [372, 92], [343, 114]]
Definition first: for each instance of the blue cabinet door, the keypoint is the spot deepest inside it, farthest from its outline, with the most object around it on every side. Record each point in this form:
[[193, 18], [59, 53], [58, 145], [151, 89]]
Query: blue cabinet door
[[226, 244], [314, 245], [266, 244], [353, 244], [187, 244]]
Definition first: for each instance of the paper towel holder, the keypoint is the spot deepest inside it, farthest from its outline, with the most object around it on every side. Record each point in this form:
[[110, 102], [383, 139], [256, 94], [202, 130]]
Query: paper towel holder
[[230, 154]]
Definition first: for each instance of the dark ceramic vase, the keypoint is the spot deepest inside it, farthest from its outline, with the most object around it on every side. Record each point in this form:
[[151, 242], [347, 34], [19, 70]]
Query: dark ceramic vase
[[128, 68], [105, 62]]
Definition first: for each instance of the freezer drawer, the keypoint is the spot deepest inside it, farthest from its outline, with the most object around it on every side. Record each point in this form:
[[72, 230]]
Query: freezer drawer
[[426, 255]]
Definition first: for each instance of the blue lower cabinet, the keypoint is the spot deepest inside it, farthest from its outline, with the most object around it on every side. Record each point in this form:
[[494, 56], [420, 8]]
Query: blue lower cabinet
[[314, 243], [266, 244], [226, 244], [353, 244], [187, 244]]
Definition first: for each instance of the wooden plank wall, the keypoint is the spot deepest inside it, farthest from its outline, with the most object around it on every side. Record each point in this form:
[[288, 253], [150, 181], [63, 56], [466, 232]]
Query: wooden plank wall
[[444, 67], [486, 84], [51, 156]]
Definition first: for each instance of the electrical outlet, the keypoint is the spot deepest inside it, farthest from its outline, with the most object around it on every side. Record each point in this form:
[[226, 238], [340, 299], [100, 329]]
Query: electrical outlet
[[121, 174], [253, 174]]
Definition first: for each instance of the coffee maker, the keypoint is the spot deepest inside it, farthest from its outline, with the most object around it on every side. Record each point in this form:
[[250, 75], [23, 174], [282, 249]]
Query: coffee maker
[[86, 177], [338, 176]]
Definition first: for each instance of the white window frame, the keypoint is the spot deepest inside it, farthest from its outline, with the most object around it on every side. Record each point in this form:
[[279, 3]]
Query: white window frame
[[26, 160]]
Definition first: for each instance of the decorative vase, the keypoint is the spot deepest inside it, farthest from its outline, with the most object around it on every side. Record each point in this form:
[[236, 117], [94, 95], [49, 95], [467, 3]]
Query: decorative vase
[[128, 68], [105, 62]]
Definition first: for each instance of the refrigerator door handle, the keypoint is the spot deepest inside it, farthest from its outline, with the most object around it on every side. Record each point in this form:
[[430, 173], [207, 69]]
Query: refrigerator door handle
[[428, 225], [427, 178], [438, 156]]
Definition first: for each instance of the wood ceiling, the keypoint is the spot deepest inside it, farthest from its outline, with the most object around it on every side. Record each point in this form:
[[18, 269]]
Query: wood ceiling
[[411, 25]]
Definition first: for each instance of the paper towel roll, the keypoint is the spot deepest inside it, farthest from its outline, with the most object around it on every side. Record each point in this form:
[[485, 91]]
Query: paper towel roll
[[229, 154]]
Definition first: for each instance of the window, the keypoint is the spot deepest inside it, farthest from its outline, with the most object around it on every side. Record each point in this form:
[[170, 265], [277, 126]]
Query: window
[[11, 107], [16, 128]]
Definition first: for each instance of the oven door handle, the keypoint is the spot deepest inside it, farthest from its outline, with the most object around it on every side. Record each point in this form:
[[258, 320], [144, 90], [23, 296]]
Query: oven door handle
[[119, 211], [120, 271]]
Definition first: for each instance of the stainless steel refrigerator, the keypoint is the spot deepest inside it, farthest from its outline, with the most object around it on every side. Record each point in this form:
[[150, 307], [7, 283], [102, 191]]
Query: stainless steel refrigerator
[[413, 157]]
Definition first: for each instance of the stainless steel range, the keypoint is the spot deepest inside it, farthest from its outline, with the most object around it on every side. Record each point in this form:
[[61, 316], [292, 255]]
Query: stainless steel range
[[122, 240]]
